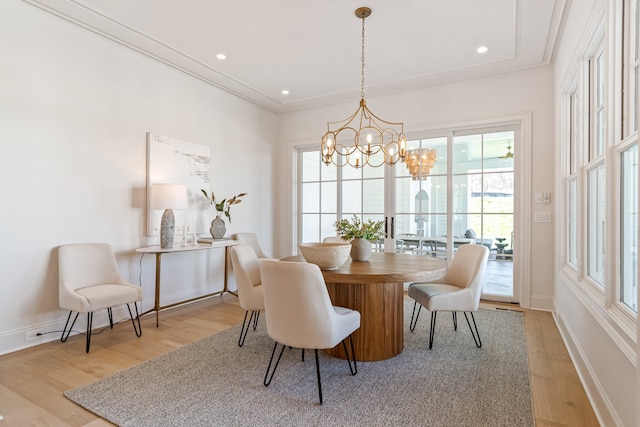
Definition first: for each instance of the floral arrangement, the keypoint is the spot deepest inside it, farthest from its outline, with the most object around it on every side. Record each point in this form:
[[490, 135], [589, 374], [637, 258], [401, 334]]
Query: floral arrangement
[[224, 206], [355, 228]]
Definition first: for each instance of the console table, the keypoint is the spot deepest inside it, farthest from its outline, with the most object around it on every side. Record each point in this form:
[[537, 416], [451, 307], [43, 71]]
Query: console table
[[158, 252]]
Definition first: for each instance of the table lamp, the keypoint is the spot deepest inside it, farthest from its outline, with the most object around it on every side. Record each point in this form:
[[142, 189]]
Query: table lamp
[[168, 197]]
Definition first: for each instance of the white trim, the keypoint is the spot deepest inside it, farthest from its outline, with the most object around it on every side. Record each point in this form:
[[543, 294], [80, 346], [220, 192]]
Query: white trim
[[599, 315], [602, 407]]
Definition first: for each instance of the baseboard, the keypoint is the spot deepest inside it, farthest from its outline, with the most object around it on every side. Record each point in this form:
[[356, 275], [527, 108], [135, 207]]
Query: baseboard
[[599, 402]]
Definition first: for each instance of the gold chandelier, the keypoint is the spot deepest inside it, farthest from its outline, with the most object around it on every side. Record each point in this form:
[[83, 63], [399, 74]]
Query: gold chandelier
[[419, 161], [363, 138]]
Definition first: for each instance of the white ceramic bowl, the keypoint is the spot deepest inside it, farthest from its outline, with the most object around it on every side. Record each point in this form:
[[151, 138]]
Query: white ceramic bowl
[[327, 256]]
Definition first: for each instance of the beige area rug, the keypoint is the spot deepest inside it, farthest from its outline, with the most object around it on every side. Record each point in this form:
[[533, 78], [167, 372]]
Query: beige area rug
[[213, 382]]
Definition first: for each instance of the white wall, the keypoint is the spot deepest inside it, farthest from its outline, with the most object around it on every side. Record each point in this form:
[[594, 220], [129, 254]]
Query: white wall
[[74, 111], [485, 99], [604, 355]]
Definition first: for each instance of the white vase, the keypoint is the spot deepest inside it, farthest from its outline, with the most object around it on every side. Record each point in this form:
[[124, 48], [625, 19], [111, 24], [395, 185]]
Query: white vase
[[361, 249]]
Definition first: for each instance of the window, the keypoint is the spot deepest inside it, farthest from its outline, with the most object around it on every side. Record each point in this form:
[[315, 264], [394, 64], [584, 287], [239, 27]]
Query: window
[[572, 181], [318, 208], [629, 227]]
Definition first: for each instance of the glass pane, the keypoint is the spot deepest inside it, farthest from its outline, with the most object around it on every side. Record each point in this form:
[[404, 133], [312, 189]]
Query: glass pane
[[329, 196], [497, 196], [326, 226], [629, 228], [467, 225], [405, 224], [349, 172], [437, 193], [600, 79], [424, 157], [373, 196], [600, 134], [328, 173], [572, 227], [467, 153], [634, 105], [462, 188], [596, 224], [371, 172], [310, 228], [311, 199], [310, 166], [351, 198]]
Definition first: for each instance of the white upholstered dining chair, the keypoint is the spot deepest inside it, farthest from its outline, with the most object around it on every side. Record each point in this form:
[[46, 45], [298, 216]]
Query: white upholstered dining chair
[[458, 290], [300, 314], [250, 239], [89, 280], [247, 273]]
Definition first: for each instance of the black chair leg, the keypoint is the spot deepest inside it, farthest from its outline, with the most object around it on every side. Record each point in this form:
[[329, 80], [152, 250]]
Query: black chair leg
[[412, 323], [138, 329], [64, 337], [318, 374], [255, 319], [110, 313], [476, 336], [455, 320], [89, 324], [433, 328], [245, 327], [267, 377], [354, 369]]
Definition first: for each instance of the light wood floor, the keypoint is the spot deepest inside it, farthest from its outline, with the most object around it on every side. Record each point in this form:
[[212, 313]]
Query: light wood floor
[[32, 381]]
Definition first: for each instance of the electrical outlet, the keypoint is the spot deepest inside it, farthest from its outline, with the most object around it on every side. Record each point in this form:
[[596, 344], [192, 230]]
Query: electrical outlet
[[32, 335]]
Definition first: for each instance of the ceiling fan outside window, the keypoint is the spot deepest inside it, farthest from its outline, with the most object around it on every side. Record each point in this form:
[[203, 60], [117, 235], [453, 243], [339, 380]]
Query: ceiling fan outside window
[[507, 155]]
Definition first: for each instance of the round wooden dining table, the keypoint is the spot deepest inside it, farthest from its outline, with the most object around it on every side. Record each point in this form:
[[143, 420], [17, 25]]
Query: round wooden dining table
[[376, 289]]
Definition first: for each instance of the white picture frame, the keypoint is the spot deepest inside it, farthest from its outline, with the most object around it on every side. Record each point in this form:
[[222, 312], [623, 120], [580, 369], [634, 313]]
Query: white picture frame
[[172, 161]]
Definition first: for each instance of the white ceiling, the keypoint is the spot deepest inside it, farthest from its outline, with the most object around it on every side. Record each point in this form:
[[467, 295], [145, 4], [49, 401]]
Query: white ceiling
[[313, 49]]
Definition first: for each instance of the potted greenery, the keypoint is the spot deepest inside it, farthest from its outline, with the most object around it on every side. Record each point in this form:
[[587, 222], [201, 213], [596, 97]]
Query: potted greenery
[[218, 227], [361, 234]]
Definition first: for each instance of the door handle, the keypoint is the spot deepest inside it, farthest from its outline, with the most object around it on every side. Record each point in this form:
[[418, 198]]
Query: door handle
[[393, 233]]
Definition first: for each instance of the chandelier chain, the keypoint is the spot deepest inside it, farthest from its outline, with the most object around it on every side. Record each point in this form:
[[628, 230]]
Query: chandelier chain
[[362, 63]]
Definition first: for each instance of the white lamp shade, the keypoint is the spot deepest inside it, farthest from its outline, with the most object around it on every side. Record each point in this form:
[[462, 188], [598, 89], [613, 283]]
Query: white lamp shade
[[169, 196]]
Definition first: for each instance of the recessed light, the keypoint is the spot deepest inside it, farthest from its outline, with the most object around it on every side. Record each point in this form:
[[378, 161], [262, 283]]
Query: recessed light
[[482, 49], [221, 56], [285, 92]]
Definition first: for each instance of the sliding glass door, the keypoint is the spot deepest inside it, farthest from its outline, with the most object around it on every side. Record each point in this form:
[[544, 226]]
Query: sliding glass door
[[483, 203]]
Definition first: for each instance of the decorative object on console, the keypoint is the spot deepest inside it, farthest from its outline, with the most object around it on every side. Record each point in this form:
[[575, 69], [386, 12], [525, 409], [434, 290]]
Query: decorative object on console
[[218, 227], [168, 197], [375, 141], [361, 235]]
